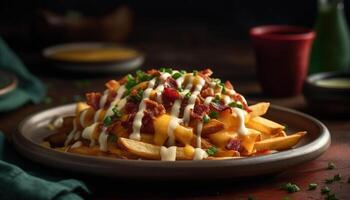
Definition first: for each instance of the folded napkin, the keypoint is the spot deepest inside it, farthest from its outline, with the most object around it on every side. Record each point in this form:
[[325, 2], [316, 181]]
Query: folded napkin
[[29, 87], [37, 183]]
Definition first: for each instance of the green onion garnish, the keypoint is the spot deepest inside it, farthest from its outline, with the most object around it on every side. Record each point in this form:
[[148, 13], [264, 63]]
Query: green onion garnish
[[142, 76], [206, 119], [325, 190], [235, 105], [188, 95], [117, 113], [212, 151], [183, 71], [216, 99], [213, 114], [312, 186], [108, 121], [195, 72], [177, 75], [180, 89], [168, 70], [290, 187]]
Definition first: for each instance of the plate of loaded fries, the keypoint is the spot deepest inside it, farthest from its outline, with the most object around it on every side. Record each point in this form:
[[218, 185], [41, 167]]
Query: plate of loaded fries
[[171, 124]]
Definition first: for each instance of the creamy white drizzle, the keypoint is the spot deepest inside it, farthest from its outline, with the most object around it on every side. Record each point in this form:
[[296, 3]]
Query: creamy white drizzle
[[199, 154], [241, 130], [159, 89], [103, 99], [168, 154], [116, 100], [88, 133], [102, 140], [227, 99], [97, 115], [76, 144], [137, 123], [230, 92], [71, 134], [192, 100]]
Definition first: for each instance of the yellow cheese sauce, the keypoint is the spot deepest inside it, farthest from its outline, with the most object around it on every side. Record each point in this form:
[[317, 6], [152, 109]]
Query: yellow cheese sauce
[[343, 83], [96, 54]]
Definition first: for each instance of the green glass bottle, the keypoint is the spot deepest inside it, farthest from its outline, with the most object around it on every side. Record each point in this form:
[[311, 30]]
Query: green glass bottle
[[331, 48]]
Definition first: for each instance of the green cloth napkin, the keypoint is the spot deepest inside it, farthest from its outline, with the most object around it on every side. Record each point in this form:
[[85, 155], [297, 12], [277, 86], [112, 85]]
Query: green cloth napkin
[[29, 87], [36, 183]]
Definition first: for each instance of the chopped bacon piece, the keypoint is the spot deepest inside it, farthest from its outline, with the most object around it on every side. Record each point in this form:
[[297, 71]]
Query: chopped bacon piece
[[207, 92], [131, 107], [234, 144], [154, 108], [199, 111], [239, 98], [112, 85], [153, 72], [170, 94], [93, 99], [110, 98], [205, 72], [170, 83], [219, 107], [228, 85]]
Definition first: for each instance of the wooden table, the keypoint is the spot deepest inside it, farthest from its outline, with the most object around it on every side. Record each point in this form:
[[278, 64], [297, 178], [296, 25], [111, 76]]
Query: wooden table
[[233, 62]]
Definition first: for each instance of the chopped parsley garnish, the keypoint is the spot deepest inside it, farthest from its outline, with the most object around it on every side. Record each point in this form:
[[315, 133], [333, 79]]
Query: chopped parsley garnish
[[337, 177], [331, 165], [206, 119], [223, 89], [131, 82], [137, 97], [213, 114], [312, 186], [117, 113], [168, 70], [195, 72], [216, 99], [177, 75], [188, 95], [235, 105], [325, 190], [180, 89], [212, 151], [112, 138], [142, 76], [108, 121], [290, 187]]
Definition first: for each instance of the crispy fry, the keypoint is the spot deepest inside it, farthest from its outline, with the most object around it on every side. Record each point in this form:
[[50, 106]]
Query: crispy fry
[[220, 139], [279, 143], [258, 109], [264, 125], [212, 126], [249, 140]]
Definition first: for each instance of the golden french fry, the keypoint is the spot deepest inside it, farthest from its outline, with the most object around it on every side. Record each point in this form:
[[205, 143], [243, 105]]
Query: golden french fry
[[183, 134], [92, 151], [264, 125], [226, 153], [80, 107], [150, 151], [248, 141], [220, 139], [148, 138], [258, 109], [279, 143], [212, 126]]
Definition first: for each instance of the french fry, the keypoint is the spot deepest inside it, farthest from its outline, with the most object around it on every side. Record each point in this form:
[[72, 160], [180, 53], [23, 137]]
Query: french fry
[[220, 139], [249, 140], [150, 151], [258, 109], [183, 134], [212, 126], [279, 143], [264, 125], [80, 107], [226, 153]]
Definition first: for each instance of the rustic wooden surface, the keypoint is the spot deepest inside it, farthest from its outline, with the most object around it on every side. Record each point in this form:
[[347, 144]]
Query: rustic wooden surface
[[233, 62]]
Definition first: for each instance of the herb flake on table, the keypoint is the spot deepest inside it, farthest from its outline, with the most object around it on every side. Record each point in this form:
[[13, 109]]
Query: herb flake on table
[[325, 190], [312, 186], [331, 166], [290, 187]]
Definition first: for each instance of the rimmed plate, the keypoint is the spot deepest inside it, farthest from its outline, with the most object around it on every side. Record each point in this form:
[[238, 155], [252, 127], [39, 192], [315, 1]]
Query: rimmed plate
[[8, 82], [33, 129], [90, 65]]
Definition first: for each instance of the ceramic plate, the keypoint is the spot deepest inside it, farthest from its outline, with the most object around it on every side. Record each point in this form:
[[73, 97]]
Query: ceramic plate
[[33, 129], [92, 66], [8, 82]]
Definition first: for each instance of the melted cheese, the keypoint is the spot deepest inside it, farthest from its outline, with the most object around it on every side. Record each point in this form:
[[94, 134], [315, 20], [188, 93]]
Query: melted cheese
[[137, 123], [168, 154]]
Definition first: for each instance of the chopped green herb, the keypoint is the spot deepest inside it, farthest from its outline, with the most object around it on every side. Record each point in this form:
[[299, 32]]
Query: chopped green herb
[[48, 100], [188, 95], [337, 177], [223, 89], [112, 138], [131, 82], [180, 89], [331, 197], [216, 80], [212, 151], [285, 127], [290, 187], [235, 105], [329, 180], [195, 72], [117, 113], [325, 190], [142, 76], [108, 121], [331, 165], [137, 97], [213, 115], [168, 70], [206, 119], [177, 75], [312, 186], [217, 99]]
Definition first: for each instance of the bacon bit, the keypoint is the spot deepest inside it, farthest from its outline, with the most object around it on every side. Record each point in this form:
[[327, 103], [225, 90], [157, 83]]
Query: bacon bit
[[147, 123], [123, 80], [219, 107], [170, 95], [170, 83], [199, 111], [205, 73], [110, 98], [131, 107], [153, 72], [154, 108], [233, 144], [207, 92], [93, 99], [112, 85], [239, 98], [228, 85]]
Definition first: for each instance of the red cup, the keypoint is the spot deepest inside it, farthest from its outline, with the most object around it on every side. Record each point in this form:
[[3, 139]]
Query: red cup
[[282, 57]]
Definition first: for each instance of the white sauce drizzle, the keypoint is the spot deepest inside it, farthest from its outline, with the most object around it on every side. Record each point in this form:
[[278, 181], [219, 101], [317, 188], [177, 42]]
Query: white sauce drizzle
[[241, 130], [71, 134], [102, 140], [76, 144], [168, 154], [97, 115], [192, 100], [159, 89], [116, 100], [137, 123], [227, 100], [199, 154], [88, 132], [103, 99], [230, 92]]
